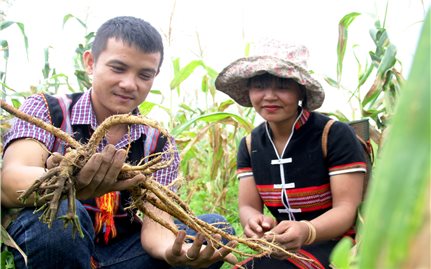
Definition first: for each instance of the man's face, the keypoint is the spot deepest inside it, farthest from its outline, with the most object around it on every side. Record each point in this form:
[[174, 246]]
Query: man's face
[[122, 78]]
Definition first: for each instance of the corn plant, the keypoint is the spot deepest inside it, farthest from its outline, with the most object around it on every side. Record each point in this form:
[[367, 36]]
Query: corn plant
[[207, 139], [378, 102], [81, 75], [207, 135], [53, 81], [15, 96], [396, 231]]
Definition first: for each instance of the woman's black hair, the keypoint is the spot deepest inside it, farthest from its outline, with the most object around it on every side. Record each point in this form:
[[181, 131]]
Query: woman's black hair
[[266, 79]]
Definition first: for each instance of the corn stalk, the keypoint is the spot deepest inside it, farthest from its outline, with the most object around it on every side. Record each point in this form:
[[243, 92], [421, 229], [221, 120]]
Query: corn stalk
[[396, 230]]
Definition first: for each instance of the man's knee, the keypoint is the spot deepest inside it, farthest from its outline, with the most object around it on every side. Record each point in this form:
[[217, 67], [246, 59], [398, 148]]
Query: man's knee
[[219, 222], [40, 241]]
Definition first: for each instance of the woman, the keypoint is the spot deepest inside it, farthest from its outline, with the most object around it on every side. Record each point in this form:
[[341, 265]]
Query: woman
[[313, 200]]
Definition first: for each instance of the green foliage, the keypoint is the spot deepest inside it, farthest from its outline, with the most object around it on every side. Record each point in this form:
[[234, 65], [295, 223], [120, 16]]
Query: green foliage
[[395, 209], [378, 101], [6, 24], [5, 50], [341, 256], [342, 40], [7, 261], [208, 135]]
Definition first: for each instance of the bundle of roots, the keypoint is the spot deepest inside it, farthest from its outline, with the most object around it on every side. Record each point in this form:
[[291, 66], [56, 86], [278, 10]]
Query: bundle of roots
[[58, 183]]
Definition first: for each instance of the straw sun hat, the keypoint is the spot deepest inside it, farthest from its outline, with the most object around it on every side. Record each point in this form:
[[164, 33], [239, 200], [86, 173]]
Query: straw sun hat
[[274, 57]]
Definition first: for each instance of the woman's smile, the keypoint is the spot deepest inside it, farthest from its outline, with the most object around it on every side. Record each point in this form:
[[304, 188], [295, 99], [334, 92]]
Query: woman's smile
[[271, 108]]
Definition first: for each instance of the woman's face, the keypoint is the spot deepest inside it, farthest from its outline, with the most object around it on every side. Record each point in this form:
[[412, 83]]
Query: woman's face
[[275, 99]]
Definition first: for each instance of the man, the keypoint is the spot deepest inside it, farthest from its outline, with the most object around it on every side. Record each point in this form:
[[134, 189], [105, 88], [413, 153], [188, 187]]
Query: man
[[125, 59]]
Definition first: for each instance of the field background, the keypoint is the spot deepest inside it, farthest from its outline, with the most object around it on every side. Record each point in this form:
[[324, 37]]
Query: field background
[[361, 51]]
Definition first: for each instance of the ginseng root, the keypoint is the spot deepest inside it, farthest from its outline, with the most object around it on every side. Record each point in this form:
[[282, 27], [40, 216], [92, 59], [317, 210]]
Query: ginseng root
[[58, 183]]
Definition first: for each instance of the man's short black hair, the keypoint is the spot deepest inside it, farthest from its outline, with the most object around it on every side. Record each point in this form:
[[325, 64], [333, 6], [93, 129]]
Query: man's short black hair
[[133, 31]]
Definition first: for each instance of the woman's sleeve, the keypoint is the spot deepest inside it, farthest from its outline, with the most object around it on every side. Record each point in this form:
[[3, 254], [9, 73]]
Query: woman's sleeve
[[244, 168], [345, 153]]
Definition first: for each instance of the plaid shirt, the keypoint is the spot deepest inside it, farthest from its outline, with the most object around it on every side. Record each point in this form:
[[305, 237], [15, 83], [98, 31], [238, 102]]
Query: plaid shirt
[[82, 113]]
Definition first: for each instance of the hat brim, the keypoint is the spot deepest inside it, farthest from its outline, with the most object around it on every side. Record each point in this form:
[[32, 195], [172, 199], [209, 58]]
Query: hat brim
[[232, 80]]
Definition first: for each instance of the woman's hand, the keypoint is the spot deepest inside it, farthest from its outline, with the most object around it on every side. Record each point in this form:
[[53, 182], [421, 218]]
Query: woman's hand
[[258, 224], [198, 255], [290, 235]]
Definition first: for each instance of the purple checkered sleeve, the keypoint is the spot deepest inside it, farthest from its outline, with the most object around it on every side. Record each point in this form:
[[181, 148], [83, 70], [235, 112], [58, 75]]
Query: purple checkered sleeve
[[166, 175], [34, 106]]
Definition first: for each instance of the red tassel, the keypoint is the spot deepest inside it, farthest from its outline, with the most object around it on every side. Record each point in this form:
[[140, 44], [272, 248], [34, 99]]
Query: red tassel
[[93, 263], [108, 205]]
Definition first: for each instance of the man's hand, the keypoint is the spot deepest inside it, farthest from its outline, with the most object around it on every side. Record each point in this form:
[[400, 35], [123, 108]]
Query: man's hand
[[198, 255], [54, 160], [99, 174]]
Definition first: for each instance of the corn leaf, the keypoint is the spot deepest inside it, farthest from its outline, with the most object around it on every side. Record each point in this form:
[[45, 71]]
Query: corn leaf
[[5, 49], [146, 107], [395, 207], [343, 26], [70, 16], [8, 241], [388, 61], [332, 82], [340, 256], [210, 71], [184, 73], [210, 118], [224, 105], [6, 24]]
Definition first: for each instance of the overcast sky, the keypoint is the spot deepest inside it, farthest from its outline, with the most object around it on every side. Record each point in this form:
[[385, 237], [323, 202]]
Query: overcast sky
[[223, 28]]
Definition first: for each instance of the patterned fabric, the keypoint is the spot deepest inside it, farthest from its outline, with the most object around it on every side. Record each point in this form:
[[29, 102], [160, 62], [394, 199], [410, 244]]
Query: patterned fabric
[[306, 199], [351, 167], [244, 172], [275, 57], [64, 105], [305, 260], [108, 206], [311, 263]]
